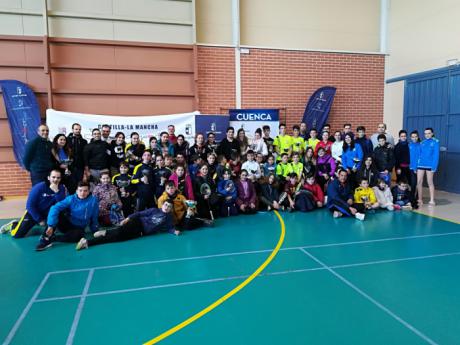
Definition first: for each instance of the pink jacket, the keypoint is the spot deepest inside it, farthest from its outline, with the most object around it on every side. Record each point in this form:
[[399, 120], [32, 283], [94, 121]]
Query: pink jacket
[[188, 193]]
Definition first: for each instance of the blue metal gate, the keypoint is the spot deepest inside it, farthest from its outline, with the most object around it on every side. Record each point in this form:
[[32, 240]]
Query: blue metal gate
[[432, 99]]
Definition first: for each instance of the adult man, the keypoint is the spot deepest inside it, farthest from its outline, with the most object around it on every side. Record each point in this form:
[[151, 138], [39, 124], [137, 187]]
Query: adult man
[[71, 216], [382, 129], [38, 159], [340, 198], [229, 146], [96, 156], [172, 134], [77, 144], [304, 131], [106, 134], [42, 196], [347, 130], [147, 222]]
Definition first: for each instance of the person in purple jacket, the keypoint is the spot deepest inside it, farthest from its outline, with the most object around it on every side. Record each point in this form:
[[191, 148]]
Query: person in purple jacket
[[247, 197], [41, 197], [147, 222]]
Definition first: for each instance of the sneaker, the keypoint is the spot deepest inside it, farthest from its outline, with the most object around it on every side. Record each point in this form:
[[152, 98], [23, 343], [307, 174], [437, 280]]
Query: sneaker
[[83, 243], [43, 244], [431, 204], [6, 228], [337, 214], [100, 233], [390, 208], [360, 216], [407, 207]]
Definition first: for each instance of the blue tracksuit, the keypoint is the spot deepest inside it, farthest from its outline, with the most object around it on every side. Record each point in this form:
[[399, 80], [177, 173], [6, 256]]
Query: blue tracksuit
[[83, 212], [154, 220], [429, 154], [338, 195], [352, 158], [41, 198], [414, 154]]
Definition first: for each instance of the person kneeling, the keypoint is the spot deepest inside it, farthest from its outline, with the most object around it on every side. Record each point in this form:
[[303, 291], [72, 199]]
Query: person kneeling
[[143, 223], [71, 216]]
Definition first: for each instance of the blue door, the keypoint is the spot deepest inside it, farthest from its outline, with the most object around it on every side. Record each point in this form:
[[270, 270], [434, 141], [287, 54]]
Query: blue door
[[432, 99]]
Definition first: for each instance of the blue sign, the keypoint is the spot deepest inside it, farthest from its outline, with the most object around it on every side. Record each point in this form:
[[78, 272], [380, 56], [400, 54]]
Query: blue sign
[[216, 124], [23, 114], [263, 115], [318, 107]]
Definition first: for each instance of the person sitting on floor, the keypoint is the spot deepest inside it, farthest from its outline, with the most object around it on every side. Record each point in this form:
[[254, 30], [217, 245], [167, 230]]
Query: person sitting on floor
[[340, 198], [247, 197], [107, 196], [401, 194], [365, 195], [183, 215], [227, 190], [42, 196], [383, 195], [270, 196], [144, 223], [315, 195], [70, 217]]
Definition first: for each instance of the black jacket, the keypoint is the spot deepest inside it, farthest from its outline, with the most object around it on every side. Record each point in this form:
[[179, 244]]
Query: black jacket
[[227, 148], [77, 144], [384, 158], [96, 155], [402, 156], [38, 156], [269, 194]]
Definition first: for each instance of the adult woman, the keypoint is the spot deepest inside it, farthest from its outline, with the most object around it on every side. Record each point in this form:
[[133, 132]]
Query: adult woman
[[309, 162], [165, 147], [117, 152], [153, 147], [198, 148], [337, 147], [134, 151], [206, 195], [258, 144], [427, 163], [352, 157], [242, 141], [211, 144], [181, 146], [62, 153]]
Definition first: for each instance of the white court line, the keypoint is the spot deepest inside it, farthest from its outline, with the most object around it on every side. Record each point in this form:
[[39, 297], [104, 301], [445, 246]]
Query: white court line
[[254, 252], [194, 282], [372, 300], [25, 311], [76, 319]]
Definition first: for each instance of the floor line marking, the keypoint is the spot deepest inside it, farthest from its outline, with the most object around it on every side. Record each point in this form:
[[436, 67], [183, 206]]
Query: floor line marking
[[77, 316], [436, 217], [229, 294], [372, 300], [253, 252], [194, 282], [26, 310]]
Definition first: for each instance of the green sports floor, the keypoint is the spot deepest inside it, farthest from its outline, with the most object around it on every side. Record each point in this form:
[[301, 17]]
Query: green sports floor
[[392, 279]]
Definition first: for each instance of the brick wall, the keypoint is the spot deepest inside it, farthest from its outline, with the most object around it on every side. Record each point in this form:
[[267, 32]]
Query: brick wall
[[286, 79], [13, 180]]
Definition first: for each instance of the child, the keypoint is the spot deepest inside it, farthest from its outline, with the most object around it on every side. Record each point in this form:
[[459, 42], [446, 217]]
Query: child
[[313, 140], [309, 162], [414, 153], [247, 197], [125, 189], [383, 195], [402, 157], [260, 161], [183, 216], [287, 198], [298, 143], [384, 158], [134, 151], [147, 222], [366, 196], [325, 143], [144, 180], [235, 164], [269, 199], [212, 165], [401, 195], [182, 182], [283, 168], [107, 196], [251, 167], [161, 174], [282, 143], [227, 190], [205, 194], [194, 167], [169, 162], [368, 171], [315, 195], [221, 167], [296, 166], [325, 165], [270, 166]]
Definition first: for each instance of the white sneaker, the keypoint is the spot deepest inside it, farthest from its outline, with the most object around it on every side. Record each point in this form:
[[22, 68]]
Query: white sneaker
[[82, 244], [390, 208], [407, 207], [360, 216], [6, 228], [100, 233], [337, 214]]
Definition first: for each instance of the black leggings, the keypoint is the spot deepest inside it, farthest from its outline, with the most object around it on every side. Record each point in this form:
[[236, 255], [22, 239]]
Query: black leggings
[[22, 227], [131, 230], [66, 231]]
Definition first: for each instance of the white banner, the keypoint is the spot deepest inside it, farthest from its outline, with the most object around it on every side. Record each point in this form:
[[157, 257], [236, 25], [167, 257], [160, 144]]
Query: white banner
[[146, 126]]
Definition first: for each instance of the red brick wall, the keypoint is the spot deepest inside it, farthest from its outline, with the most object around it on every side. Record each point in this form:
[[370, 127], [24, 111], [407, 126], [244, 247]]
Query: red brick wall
[[286, 79], [13, 180]]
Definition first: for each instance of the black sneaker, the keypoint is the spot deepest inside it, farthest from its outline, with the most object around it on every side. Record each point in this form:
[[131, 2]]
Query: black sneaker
[[44, 243]]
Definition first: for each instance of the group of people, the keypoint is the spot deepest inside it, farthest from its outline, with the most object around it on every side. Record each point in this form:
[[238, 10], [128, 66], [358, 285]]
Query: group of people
[[167, 184]]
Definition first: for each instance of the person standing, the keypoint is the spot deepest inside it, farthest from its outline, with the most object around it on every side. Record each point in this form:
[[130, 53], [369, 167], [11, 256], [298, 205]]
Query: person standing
[[229, 145], [382, 129], [77, 144], [96, 157], [38, 157], [427, 163]]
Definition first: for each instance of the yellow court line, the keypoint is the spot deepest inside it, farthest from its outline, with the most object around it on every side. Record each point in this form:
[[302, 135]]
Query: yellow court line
[[437, 217], [226, 296]]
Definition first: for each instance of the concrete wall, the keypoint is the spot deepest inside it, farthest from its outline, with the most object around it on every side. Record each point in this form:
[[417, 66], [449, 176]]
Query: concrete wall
[[423, 35]]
